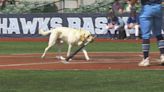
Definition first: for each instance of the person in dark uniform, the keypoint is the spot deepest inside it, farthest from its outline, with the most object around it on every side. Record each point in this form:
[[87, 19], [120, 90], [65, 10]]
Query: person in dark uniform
[[151, 20], [132, 23], [113, 25]]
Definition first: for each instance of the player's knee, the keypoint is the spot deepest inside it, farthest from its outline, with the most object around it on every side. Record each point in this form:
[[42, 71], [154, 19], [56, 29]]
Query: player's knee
[[146, 36], [159, 37]]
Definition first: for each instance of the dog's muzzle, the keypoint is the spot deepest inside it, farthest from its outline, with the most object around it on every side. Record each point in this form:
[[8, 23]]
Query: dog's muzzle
[[91, 38]]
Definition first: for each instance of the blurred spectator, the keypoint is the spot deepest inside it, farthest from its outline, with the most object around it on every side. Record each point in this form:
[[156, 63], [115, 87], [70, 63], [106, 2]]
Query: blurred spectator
[[117, 7], [114, 25], [2, 3], [121, 30], [11, 1], [132, 24], [130, 8]]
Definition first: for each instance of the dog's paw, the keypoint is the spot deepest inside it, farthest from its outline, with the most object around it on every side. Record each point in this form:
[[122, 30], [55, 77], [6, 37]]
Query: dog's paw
[[70, 59], [87, 59], [42, 56], [64, 62], [60, 57], [57, 57]]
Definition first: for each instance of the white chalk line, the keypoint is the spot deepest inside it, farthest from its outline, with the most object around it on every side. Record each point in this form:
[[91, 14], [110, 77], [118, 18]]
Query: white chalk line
[[95, 61], [92, 61], [63, 53], [39, 56], [70, 62], [28, 64], [18, 56]]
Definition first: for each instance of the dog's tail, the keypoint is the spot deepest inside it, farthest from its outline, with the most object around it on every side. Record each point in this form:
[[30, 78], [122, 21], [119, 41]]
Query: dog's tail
[[44, 33]]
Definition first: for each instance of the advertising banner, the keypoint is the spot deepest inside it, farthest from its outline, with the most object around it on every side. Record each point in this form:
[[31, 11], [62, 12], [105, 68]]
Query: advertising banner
[[27, 25]]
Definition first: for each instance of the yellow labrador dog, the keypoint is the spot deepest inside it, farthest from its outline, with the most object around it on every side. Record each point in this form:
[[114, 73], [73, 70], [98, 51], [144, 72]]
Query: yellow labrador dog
[[70, 36]]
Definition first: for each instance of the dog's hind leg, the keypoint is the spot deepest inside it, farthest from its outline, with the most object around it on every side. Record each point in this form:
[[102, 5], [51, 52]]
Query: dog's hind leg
[[52, 41], [85, 54], [45, 51]]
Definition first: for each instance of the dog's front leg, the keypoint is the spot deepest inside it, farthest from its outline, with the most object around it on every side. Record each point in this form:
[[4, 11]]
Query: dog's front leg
[[85, 54], [69, 50]]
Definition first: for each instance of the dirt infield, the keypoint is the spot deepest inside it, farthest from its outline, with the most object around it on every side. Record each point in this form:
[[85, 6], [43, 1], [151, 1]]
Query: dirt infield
[[99, 61]]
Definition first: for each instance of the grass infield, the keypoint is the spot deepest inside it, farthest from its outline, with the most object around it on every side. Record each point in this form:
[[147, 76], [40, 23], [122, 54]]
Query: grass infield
[[79, 81], [38, 47], [82, 81]]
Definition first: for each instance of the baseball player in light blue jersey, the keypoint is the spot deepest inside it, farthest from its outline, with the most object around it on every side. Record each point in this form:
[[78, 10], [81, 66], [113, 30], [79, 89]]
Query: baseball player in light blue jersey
[[151, 20]]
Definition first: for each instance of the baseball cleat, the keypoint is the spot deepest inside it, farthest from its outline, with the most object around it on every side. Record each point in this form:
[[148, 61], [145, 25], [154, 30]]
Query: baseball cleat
[[162, 59], [144, 62]]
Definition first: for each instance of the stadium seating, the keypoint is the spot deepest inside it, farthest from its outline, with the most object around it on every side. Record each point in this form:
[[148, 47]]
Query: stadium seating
[[98, 6], [27, 7]]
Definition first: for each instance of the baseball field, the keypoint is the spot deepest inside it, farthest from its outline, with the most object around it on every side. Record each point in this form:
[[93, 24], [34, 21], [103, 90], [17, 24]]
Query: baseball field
[[112, 68]]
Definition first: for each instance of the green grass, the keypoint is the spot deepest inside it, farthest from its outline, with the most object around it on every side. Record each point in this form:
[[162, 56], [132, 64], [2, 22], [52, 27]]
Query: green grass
[[38, 47], [81, 81]]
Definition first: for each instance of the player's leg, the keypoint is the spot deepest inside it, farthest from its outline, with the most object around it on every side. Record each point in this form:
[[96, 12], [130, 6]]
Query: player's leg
[[146, 26], [145, 29], [116, 27], [127, 31], [112, 31], [136, 27], [157, 31]]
